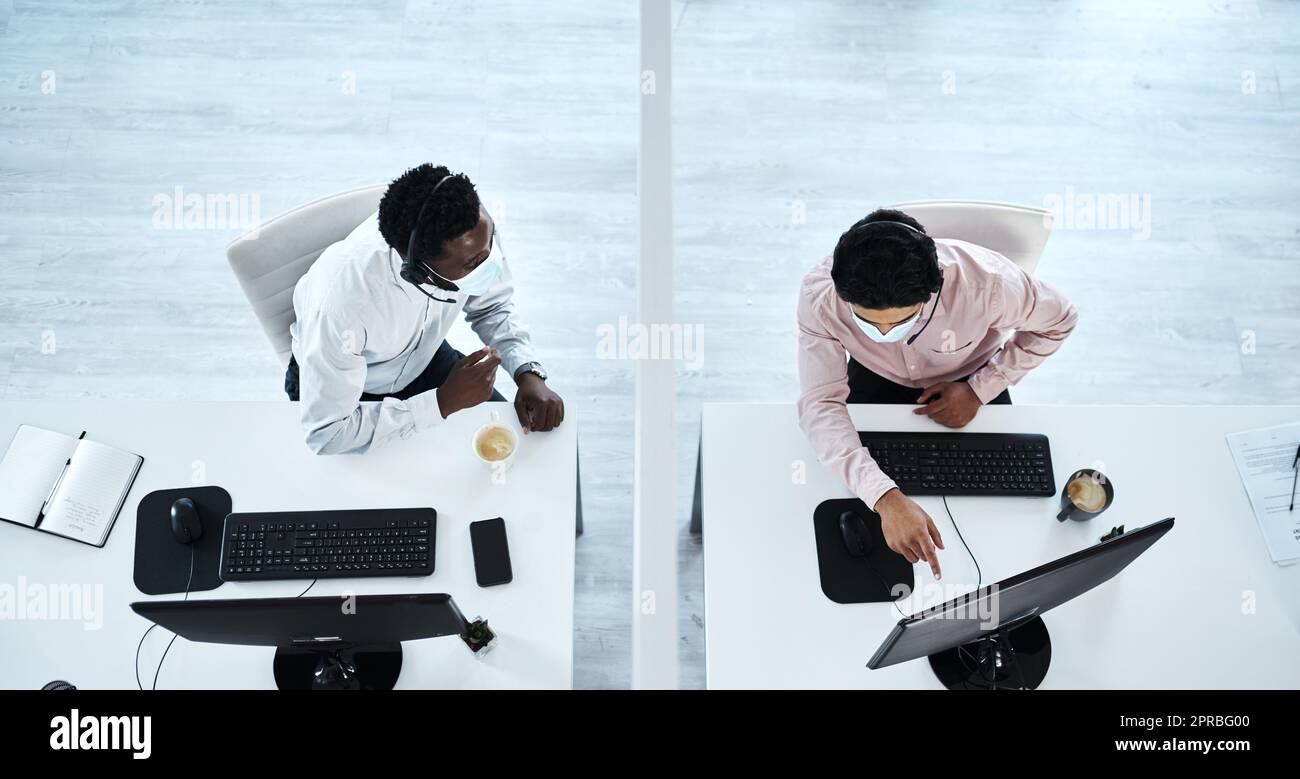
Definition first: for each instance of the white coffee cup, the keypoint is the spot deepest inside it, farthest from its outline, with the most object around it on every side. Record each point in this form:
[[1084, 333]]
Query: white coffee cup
[[496, 444]]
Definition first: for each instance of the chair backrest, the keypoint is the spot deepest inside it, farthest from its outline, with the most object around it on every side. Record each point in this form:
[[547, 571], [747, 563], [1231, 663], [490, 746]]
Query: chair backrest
[[1017, 232], [269, 260]]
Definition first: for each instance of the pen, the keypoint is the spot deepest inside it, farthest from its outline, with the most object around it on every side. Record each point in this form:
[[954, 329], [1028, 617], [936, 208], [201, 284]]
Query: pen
[[40, 515], [1295, 466]]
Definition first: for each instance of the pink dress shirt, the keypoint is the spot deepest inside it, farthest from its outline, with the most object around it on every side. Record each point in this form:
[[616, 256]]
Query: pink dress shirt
[[984, 296]]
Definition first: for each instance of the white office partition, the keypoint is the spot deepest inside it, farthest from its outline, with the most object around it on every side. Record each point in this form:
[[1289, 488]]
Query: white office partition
[[654, 546]]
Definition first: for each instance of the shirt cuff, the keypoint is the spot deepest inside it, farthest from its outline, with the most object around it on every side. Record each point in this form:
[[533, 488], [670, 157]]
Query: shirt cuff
[[424, 409], [516, 358], [873, 489], [987, 383]]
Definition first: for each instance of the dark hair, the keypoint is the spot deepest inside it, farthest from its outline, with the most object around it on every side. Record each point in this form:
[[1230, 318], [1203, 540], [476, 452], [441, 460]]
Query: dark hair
[[886, 266], [451, 212]]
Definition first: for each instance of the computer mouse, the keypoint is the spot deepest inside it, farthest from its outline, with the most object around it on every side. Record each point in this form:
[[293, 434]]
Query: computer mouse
[[857, 536], [185, 521]]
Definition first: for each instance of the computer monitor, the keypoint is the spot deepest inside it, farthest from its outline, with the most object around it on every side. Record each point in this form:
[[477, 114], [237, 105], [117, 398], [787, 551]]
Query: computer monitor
[[323, 642], [996, 637]]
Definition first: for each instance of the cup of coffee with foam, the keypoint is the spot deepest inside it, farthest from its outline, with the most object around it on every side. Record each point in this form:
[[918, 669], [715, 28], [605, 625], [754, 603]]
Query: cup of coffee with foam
[[496, 443], [1087, 493]]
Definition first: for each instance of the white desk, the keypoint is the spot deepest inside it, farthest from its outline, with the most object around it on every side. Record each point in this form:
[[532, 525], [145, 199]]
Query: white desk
[[256, 452], [1173, 619]]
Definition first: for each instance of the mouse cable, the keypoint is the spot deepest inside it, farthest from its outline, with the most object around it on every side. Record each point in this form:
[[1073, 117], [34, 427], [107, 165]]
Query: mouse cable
[[169, 643], [888, 589], [164, 659], [188, 581]]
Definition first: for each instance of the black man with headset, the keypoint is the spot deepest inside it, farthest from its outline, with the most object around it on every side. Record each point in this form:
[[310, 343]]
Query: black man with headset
[[373, 312]]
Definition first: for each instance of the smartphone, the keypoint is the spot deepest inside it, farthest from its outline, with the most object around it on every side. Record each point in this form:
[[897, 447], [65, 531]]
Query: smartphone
[[491, 553]]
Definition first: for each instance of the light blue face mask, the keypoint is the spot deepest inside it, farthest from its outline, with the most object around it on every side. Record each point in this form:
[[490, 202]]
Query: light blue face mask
[[896, 333], [481, 279]]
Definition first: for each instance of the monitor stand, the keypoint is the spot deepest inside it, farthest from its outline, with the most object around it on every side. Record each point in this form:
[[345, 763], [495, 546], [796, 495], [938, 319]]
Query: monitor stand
[[338, 667], [1013, 657]]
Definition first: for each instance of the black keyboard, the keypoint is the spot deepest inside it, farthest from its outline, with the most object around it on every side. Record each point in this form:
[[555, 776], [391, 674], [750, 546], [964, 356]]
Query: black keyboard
[[328, 544], [964, 463]]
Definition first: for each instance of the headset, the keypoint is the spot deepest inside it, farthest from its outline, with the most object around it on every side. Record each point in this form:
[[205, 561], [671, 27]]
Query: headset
[[417, 273], [937, 291]]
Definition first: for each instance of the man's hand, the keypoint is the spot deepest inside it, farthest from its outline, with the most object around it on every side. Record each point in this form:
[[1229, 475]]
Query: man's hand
[[950, 403], [538, 407], [470, 381], [908, 529]]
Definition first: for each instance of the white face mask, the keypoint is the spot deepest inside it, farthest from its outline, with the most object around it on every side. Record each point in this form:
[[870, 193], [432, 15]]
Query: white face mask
[[896, 333], [481, 279]]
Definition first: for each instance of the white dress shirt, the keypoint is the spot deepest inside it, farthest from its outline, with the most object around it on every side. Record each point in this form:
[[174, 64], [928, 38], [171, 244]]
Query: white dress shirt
[[361, 328]]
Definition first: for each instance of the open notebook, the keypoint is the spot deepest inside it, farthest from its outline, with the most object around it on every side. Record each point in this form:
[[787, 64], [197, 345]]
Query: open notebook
[[63, 485]]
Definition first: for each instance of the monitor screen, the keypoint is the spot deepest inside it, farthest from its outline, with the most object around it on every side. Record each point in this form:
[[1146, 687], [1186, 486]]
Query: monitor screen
[[1023, 596], [284, 622]]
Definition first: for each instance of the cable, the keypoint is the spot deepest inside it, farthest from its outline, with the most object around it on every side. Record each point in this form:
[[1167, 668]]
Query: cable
[[979, 579], [188, 581], [979, 575], [143, 636], [888, 589], [164, 658], [174, 636]]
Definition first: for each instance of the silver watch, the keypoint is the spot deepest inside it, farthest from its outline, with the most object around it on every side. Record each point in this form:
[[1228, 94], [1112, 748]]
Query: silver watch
[[532, 367]]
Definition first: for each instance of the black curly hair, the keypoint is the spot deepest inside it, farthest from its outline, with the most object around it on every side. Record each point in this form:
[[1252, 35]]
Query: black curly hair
[[453, 210], [887, 266]]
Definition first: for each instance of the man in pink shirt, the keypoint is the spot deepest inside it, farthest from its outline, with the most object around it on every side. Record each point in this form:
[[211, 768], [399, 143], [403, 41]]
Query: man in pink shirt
[[923, 322]]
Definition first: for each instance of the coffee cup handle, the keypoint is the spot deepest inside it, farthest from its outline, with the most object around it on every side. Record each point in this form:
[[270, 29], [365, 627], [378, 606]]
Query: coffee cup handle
[[494, 416], [1065, 514]]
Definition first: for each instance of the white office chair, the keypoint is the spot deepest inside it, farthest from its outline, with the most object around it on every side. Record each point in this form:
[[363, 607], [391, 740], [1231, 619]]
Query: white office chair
[[1017, 232], [269, 260]]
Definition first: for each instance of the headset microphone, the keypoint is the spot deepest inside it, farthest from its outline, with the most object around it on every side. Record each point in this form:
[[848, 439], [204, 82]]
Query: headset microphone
[[939, 292]]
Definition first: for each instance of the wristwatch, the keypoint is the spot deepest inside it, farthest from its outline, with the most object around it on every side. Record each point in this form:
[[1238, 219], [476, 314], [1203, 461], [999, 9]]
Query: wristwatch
[[532, 367]]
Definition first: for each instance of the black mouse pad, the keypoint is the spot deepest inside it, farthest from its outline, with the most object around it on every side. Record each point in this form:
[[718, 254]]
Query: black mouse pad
[[162, 564], [849, 579]]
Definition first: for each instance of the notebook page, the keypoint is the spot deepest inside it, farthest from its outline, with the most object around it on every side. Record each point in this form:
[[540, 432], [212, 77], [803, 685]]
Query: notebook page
[[91, 493], [29, 469]]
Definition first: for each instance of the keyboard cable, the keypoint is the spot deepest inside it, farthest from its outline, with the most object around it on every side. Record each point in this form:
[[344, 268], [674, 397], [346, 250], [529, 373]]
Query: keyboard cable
[[979, 575], [967, 661]]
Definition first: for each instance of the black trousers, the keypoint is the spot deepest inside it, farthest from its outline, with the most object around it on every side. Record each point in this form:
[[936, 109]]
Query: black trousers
[[868, 387], [432, 377]]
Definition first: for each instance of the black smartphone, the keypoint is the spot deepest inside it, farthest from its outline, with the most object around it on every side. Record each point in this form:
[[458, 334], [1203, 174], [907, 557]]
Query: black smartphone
[[491, 553]]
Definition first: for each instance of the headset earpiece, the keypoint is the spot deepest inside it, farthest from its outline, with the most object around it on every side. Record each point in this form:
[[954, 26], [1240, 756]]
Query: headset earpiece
[[417, 273], [412, 270]]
